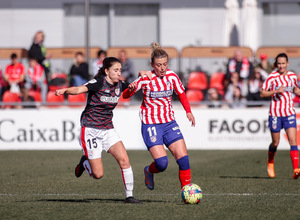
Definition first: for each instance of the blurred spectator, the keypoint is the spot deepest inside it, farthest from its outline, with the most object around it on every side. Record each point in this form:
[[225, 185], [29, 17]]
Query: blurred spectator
[[214, 98], [25, 97], [264, 66], [239, 64], [99, 62], [79, 71], [255, 84], [36, 78], [236, 100], [234, 82], [14, 74], [127, 67], [38, 51], [1, 83]]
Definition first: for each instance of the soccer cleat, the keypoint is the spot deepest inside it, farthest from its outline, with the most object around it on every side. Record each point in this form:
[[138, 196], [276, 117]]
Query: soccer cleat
[[271, 171], [80, 168], [296, 173], [148, 179], [132, 200]]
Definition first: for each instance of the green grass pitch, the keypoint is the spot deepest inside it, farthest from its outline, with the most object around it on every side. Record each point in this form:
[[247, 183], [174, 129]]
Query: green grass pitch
[[42, 185]]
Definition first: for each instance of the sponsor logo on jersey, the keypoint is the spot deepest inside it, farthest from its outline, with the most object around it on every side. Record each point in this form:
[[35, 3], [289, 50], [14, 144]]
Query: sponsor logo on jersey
[[161, 94], [287, 89], [114, 99]]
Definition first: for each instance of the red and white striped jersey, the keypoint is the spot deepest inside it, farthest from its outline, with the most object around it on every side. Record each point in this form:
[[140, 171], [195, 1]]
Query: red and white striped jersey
[[282, 104], [157, 106]]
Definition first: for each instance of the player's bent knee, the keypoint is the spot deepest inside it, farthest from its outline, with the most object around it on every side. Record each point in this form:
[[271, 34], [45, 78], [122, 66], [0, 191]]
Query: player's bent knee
[[275, 144], [161, 163], [97, 175]]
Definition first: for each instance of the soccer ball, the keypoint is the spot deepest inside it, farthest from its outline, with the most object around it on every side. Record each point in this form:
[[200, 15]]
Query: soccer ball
[[191, 194]]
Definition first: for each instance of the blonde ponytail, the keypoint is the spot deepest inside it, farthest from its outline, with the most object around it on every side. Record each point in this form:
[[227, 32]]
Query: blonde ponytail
[[157, 52]]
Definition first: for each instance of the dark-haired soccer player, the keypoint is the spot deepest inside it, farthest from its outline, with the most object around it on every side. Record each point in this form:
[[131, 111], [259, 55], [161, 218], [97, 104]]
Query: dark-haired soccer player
[[280, 85], [159, 127], [97, 130]]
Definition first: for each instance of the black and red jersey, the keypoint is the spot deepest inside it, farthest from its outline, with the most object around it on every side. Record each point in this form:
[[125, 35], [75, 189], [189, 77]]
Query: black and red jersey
[[103, 97]]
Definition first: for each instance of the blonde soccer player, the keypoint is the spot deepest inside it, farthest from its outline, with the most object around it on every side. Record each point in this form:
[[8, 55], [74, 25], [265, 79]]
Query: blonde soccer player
[[159, 126]]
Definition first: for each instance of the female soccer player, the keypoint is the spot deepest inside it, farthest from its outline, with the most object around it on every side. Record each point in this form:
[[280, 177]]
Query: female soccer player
[[97, 130], [280, 85], [158, 123]]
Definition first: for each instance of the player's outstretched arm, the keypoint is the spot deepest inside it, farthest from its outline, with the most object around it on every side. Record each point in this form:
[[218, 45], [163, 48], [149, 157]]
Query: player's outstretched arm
[[72, 90], [143, 73], [191, 118], [186, 105], [127, 93]]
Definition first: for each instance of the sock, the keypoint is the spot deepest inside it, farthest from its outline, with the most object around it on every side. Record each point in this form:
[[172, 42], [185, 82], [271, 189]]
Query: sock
[[271, 154], [152, 168], [185, 177], [127, 176], [87, 167], [184, 170], [294, 156]]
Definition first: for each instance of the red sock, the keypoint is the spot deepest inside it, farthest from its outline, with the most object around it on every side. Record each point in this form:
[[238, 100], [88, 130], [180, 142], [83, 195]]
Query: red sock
[[295, 158], [271, 157], [152, 168], [185, 177]]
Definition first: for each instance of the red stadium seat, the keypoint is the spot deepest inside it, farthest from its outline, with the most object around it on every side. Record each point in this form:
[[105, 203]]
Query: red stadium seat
[[59, 75], [217, 81], [52, 98], [58, 81], [197, 80], [194, 95], [80, 99], [36, 95], [9, 97]]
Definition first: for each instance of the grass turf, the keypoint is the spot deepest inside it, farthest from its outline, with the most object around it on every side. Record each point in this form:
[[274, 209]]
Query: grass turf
[[42, 185]]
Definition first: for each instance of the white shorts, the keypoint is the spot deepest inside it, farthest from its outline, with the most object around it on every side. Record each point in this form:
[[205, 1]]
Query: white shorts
[[93, 141]]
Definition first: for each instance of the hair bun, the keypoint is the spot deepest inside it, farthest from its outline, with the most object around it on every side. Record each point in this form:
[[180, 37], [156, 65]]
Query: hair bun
[[155, 46]]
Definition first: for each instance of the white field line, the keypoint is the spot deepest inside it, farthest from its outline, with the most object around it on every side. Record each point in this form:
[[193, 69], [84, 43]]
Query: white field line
[[152, 194]]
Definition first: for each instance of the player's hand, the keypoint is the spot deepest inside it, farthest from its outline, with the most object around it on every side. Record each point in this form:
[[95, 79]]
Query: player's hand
[[132, 86], [281, 89], [59, 92], [191, 118], [143, 73]]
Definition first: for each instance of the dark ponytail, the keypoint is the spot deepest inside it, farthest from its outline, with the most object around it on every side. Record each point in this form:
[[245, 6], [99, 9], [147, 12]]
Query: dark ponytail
[[107, 63]]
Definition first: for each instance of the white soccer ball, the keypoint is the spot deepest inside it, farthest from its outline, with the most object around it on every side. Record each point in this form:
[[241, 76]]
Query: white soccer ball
[[191, 194]]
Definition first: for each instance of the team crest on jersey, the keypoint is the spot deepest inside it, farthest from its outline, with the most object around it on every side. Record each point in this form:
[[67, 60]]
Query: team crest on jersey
[[153, 138], [117, 91]]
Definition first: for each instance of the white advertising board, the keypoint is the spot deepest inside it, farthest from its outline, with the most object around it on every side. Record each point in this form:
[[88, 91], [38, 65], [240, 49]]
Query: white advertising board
[[60, 128]]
